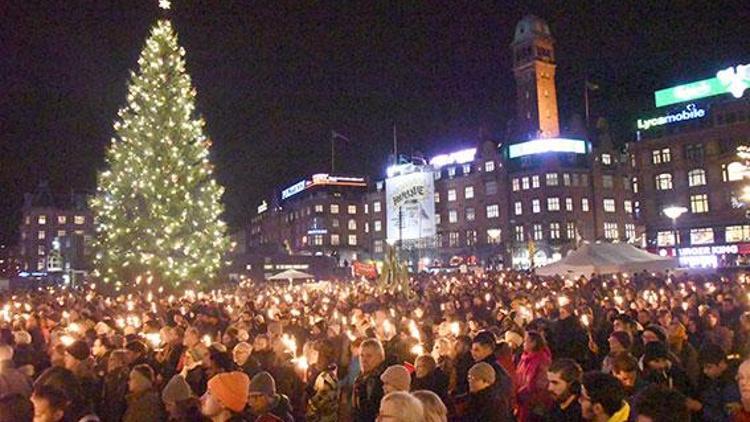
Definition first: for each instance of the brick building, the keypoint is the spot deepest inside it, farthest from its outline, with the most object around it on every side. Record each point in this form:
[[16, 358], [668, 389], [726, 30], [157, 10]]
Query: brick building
[[687, 158]]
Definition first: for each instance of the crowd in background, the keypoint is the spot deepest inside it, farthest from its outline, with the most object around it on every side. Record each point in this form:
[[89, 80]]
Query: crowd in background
[[498, 346]]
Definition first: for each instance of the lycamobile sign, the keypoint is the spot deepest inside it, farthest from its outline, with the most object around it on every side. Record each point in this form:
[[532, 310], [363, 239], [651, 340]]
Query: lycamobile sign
[[734, 80], [689, 113]]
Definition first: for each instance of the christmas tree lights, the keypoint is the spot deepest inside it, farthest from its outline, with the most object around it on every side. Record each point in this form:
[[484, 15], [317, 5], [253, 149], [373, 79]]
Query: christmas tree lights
[[157, 207]]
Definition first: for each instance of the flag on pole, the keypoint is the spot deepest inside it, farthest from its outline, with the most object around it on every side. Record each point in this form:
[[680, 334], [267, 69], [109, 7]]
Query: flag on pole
[[591, 86]]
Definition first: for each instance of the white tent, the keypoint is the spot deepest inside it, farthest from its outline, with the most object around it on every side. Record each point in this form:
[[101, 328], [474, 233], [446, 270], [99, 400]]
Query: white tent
[[291, 275], [607, 258]]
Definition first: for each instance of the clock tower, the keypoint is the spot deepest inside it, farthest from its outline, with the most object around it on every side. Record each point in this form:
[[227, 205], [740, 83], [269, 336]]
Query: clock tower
[[534, 71]]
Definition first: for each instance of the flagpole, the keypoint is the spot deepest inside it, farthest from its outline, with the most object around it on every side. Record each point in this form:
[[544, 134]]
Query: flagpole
[[395, 144], [333, 158], [586, 100]]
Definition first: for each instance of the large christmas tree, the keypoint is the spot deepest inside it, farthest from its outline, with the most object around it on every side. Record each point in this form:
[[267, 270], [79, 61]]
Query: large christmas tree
[[157, 206]]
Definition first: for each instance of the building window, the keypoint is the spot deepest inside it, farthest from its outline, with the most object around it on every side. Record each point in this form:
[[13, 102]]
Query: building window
[[490, 188], [702, 236], [630, 232], [566, 179], [376, 206], [451, 172], [317, 240], [551, 179], [554, 230], [535, 181], [453, 239], [318, 208], [352, 239], [470, 214], [40, 250], [453, 216], [627, 205], [606, 159], [352, 224], [335, 222], [607, 181], [518, 207], [699, 203], [729, 172], [493, 211], [61, 233], [576, 179], [438, 219], [471, 237], [377, 246], [40, 264], [519, 233], [467, 168], [335, 240], [42, 219], [61, 219], [694, 152], [553, 204], [524, 183], [570, 230], [665, 238], [79, 219], [609, 205], [334, 208], [610, 231], [516, 184], [696, 177], [584, 180], [663, 181], [451, 195], [41, 235], [538, 233], [568, 204], [635, 185], [437, 175], [351, 209], [377, 225], [437, 197], [494, 236], [489, 166], [367, 208], [535, 206], [660, 156], [735, 234], [584, 204], [469, 192]]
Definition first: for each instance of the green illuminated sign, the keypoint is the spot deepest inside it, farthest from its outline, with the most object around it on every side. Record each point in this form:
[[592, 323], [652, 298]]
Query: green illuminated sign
[[734, 80]]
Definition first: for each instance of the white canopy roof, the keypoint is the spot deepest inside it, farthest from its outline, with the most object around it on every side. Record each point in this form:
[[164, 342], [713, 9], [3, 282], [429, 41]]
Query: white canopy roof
[[291, 275], [607, 258]]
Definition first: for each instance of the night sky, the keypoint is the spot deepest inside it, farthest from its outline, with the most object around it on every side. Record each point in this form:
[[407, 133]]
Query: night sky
[[274, 80]]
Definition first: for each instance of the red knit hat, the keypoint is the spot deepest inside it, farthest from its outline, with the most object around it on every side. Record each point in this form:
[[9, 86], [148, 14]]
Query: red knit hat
[[230, 389]]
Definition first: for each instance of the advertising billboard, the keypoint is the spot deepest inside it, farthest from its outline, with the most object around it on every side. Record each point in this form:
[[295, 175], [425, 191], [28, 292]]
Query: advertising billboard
[[410, 209]]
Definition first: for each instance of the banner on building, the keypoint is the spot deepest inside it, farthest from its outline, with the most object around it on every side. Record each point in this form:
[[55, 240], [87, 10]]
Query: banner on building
[[362, 269], [410, 208]]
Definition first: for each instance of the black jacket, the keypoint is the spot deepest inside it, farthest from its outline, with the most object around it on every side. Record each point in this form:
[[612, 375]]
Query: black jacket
[[487, 406], [368, 391]]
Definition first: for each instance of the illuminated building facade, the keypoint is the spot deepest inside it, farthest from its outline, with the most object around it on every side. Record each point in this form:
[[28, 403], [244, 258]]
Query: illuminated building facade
[[686, 153], [54, 239]]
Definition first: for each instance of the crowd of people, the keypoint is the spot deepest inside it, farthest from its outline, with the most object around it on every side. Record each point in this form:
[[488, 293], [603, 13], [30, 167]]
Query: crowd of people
[[500, 346]]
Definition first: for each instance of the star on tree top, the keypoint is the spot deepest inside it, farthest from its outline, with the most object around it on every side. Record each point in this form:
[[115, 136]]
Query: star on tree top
[[165, 4]]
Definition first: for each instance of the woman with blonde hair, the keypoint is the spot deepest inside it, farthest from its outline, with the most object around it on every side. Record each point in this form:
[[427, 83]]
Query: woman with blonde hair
[[400, 406], [434, 408]]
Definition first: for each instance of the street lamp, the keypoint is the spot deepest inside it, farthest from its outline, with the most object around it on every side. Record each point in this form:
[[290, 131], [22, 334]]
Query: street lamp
[[674, 212]]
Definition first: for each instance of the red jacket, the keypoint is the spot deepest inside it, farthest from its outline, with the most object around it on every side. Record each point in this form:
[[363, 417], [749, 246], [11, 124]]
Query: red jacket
[[531, 376]]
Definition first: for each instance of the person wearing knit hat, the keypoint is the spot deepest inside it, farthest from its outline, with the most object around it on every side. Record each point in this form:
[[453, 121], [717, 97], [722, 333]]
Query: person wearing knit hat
[[143, 400], [654, 333], [264, 402], [226, 395], [659, 369], [179, 400], [395, 378], [485, 403]]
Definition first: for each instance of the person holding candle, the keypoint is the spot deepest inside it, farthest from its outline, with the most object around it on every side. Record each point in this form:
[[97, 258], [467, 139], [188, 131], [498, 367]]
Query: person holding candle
[[143, 400]]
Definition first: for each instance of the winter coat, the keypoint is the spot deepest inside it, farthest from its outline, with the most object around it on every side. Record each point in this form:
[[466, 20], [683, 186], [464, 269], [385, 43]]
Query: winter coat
[[570, 340], [114, 392], [144, 407], [436, 381], [533, 398], [503, 387], [368, 391], [715, 394], [486, 406], [323, 405]]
